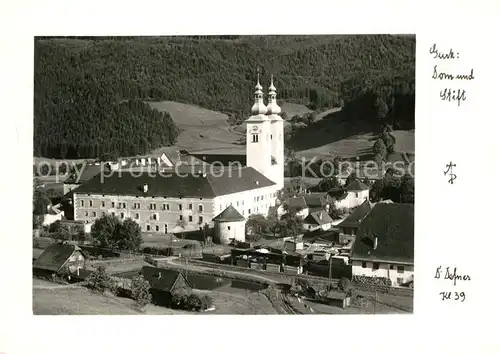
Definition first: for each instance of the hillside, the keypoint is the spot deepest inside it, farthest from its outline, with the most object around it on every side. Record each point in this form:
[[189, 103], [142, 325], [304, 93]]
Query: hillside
[[89, 92]]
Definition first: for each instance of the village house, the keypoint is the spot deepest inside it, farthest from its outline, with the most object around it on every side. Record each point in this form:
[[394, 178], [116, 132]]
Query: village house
[[356, 193], [349, 226], [317, 219], [302, 205], [165, 283], [159, 202], [54, 213], [60, 259], [384, 244]]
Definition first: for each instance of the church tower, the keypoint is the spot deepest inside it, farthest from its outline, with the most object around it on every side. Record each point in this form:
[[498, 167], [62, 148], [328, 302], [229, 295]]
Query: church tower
[[258, 132], [276, 133]]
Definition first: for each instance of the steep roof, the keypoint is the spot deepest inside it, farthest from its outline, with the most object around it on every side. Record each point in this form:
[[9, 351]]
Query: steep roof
[[319, 217], [54, 256], [210, 185], [357, 216], [229, 214], [393, 224], [315, 200], [161, 278], [87, 172], [357, 185]]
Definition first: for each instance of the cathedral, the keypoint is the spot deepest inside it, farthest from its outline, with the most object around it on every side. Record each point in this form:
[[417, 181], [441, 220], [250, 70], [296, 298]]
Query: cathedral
[[164, 203]]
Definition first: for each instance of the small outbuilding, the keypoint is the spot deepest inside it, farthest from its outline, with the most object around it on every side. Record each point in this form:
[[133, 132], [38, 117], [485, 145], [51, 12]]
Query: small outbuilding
[[60, 259], [228, 226], [165, 283]]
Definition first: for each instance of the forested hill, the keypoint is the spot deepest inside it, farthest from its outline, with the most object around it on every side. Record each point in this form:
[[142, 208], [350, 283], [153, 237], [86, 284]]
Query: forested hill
[[89, 92]]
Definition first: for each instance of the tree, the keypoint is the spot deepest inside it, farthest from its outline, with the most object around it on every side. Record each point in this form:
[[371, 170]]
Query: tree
[[389, 141], [377, 190], [326, 184], [351, 178], [140, 291], [256, 224], [381, 109], [130, 235], [291, 225], [345, 285], [40, 202], [99, 280], [379, 151], [193, 302], [106, 231], [407, 189]]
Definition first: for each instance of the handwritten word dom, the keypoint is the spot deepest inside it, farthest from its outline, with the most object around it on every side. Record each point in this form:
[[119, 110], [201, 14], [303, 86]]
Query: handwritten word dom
[[449, 94]]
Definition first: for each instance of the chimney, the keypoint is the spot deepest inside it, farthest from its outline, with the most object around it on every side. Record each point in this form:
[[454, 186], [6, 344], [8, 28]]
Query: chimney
[[145, 187], [375, 242]]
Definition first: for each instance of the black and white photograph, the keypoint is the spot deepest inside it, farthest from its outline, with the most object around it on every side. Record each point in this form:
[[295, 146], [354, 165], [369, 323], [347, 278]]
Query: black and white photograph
[[224, 174]]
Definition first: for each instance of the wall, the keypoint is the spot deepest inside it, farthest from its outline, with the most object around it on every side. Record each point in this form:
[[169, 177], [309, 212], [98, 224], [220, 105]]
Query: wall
[[50, 218], [302, 213], [225, 231], [352, 201], [384, 271], [144, 211], [257, 201], [312, 227]]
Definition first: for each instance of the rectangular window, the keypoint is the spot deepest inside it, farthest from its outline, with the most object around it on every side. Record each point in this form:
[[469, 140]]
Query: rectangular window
[[363, 265], [138, 205], [401, 269], [122, 215], [180, 217], [166, 228], [137, 216], [124, 205], [391, 267], [229, 227], [200, 208], [190, 206], [148, 227], [271, 137], [242, 202], [164, 207], [190, 218], [249, 211], [155, 216], [94, 214], [86, 213], [113, 213], [112, 204], [103, 204], [255, 138], [157, 227], [103, 213], [200, 219], [180, 206], [375, 266], [90, 203], [82, 203], [357, 194]]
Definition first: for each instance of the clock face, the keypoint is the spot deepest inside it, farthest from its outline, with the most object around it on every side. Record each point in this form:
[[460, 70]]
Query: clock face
[[255, 128]]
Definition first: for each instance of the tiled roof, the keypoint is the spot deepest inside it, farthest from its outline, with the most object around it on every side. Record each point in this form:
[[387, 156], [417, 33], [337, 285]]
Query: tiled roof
[[229, 214], [178, 185], [87, 172], [319, 217], [357, 216], [357, 185], [337, 193], [314, 200], [161, 278], [393, 224], [54, 256]]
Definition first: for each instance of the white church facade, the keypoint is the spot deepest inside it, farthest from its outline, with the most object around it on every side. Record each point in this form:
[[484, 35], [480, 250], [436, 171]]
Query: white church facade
[[164, 203]]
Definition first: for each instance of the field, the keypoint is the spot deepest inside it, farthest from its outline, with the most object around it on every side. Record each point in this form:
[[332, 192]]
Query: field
[[66, 300]]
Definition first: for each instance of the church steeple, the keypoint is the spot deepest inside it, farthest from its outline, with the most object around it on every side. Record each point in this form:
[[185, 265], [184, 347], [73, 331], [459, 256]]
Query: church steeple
[[258, 107], [272, 106]]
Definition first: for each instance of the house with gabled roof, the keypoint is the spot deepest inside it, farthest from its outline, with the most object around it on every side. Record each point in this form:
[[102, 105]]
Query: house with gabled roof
[[165, 283], [318, 219], [229, 226], [384, 244], [60, 259], [354, 194], [349, 226]]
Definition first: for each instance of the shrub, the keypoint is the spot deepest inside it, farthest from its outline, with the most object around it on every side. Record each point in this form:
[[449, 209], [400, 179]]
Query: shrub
[[99, 280], [345, 285], [140, 291]]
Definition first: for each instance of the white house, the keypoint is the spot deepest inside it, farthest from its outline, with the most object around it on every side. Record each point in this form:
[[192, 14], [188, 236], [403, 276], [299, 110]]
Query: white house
[[302, 205], [356, 193], [53, 214], [384, 244], [317, 219]]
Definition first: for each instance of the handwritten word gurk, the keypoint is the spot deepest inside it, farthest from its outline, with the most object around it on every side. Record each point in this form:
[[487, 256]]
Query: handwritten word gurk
[[438, 55]]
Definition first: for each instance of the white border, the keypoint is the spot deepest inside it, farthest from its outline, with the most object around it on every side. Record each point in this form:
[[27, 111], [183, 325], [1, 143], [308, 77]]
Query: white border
[[454, 224]]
